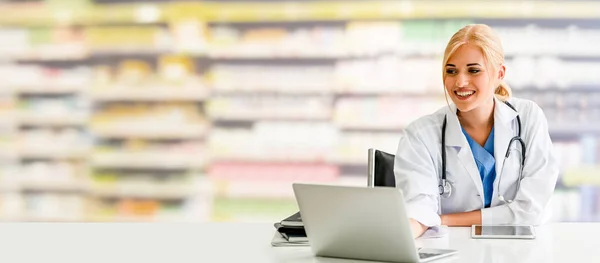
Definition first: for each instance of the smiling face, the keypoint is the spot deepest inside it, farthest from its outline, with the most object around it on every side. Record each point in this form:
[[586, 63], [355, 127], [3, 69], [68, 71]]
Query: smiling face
[[467, 80]]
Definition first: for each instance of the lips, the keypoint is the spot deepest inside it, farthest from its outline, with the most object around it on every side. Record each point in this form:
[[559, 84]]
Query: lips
[[464, 94]]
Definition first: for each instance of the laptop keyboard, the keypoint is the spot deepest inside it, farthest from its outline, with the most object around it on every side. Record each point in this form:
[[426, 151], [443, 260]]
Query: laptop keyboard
[[427, 255]]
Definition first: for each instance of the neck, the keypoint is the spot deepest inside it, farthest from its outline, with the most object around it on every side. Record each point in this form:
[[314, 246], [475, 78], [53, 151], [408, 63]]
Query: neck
[[481, 117]]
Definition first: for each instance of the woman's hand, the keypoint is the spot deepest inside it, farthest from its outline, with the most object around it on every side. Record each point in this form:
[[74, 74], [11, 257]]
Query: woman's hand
[[462, 219], [417, 228]]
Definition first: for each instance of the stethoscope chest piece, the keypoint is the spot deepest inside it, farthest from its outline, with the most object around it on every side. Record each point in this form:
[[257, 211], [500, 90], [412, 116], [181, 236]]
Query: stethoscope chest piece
[[445, 189]]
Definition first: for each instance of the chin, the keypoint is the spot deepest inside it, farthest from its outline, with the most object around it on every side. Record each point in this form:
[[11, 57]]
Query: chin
[[465, 106]]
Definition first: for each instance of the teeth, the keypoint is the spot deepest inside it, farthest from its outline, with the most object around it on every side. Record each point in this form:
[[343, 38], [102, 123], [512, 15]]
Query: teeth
[[465, 93]]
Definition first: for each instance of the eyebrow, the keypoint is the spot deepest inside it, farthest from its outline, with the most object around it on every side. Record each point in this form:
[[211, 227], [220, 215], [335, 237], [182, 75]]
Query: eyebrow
[[468, 65]]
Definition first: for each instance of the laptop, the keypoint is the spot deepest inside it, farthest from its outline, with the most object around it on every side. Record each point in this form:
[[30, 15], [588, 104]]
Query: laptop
[[360, 223]]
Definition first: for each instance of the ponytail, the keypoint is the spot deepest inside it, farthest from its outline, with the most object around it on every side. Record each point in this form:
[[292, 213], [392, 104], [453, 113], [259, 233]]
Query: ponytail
[[503, 91]]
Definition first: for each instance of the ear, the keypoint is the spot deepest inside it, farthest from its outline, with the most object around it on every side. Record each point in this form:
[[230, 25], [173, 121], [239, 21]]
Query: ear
[[501, 72]]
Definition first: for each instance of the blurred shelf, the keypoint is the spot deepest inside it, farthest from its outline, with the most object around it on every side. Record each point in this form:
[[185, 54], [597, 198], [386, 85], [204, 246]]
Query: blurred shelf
[[554, 88], [7, 118], [150, 94], [158, 160], [582, 175], [9, 187], [57, 186], [27, 14], [238, 90], [271, 11], [8, 152], [50, 57], [574, 128], [322, 58], [271, 158], [272, 172], [253, 190], [41, 119], [149, 192], [357, 10], [52, 153], [399, 53], [132, 51], [50, 89], [370, 127], [88, 56], [571, 55], [349, 161], [399, 92], [158, 131], [272, 116]]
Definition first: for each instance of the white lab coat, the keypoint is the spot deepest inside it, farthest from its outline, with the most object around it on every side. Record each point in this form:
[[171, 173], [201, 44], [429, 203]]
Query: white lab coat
[[418, 167]]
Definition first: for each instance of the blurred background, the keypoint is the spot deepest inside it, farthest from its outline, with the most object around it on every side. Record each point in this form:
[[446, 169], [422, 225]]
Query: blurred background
[[207, 111]]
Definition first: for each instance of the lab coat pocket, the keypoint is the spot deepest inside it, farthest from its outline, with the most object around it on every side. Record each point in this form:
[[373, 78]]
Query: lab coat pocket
[[510, 174], [463, 197]]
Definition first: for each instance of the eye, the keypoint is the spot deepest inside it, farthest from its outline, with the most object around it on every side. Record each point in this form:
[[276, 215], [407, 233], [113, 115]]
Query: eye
[[474, 70], [450, 71]]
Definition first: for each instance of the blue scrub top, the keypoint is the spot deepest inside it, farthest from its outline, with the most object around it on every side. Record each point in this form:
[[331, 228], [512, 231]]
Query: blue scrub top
[[486, 164]]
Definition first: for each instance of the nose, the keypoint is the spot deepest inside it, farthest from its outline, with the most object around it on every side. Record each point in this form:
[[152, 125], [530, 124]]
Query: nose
[[461, 81]]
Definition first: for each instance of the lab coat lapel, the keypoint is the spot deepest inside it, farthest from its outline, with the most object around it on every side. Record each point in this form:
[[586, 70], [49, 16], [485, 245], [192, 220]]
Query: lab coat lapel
[[455, 139], [504, 131]]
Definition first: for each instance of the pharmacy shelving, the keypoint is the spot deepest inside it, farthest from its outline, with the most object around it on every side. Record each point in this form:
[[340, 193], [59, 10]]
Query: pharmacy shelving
[[373, 88], [246, 97], [149, 128], [48, 147]]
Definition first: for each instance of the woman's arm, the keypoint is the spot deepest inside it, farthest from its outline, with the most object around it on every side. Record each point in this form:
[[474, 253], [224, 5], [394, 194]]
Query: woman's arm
[[416, 177], [417, 228], [462, 219], [458, 219], [539, 176]]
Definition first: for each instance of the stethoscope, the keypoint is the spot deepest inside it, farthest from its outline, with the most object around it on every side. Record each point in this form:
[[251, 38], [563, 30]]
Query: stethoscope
[[445, 188]]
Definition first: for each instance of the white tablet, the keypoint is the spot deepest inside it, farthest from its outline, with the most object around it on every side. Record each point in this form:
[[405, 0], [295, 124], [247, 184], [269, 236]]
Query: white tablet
[[503, 231]]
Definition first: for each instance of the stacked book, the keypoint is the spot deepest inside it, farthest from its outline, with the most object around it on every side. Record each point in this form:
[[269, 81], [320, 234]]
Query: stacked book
[[290, 232]]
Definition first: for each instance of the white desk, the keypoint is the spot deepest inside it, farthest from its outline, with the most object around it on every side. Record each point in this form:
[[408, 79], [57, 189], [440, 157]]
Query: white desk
[[213, 242]]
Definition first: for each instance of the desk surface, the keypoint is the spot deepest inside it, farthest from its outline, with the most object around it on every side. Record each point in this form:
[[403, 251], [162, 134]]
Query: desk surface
[[222, 242]]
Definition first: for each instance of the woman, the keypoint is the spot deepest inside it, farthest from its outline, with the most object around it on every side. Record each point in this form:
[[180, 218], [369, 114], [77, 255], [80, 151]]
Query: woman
[[481, 126]]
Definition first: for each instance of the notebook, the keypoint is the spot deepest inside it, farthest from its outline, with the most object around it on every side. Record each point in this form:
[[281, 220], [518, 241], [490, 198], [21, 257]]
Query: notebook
[[292, 234], [293, 220], [279, 241]]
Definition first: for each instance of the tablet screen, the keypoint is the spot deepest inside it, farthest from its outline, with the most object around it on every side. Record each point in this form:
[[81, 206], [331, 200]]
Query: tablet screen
[[503, 230]]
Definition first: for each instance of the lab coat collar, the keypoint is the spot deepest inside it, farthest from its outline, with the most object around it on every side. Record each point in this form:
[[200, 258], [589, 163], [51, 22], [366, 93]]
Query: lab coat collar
[[503, 125], [456, 141], [503, 113]]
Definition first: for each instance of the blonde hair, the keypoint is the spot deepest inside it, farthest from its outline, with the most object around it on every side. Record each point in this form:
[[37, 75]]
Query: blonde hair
[[483, 37]]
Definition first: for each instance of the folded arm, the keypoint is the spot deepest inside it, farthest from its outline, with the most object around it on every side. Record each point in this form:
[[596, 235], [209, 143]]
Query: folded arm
[[540, 173]]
